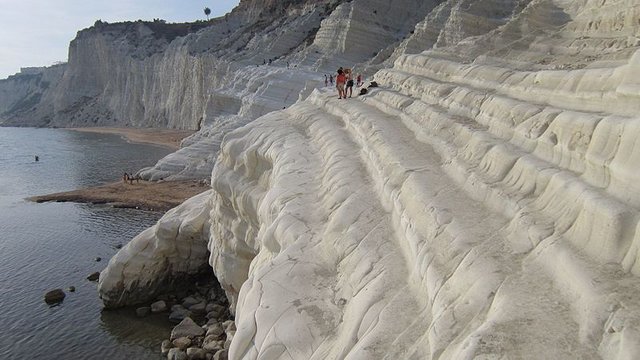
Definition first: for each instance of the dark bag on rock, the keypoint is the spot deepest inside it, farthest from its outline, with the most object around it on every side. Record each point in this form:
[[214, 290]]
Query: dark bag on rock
[[373, 84], [363, 91]]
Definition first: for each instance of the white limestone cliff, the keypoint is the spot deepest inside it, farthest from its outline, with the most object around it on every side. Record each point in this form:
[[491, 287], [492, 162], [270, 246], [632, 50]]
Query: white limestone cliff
[[482, 202]]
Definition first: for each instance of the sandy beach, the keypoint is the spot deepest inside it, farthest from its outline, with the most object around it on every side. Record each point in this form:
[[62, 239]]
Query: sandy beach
[[164, 137], [144, 195]]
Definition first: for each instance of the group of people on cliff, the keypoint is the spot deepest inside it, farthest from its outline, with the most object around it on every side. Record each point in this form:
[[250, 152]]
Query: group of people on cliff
[[344, 82]]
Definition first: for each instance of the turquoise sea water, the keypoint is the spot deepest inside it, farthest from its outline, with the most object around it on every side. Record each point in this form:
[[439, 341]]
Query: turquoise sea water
[[54, 245]]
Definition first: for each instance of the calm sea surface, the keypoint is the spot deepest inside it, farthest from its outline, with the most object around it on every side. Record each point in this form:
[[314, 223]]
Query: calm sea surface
[[54, 245]]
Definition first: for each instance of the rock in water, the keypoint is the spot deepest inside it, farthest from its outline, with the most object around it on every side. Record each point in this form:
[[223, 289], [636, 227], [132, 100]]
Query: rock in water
[[94, 276], [143, 311], [189, 301], [54, 296], [98, 259], [198, 308], [71, 289], [158, 307], [188, 328], [165, 347], [179, 314]]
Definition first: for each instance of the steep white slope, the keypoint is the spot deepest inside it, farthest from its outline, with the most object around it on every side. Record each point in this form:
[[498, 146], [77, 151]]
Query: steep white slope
[[481, 203]]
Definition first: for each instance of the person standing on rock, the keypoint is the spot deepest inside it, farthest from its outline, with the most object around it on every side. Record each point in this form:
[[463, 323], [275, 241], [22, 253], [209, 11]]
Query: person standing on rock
[[359, 80], [341, 79], [331, 79], [349, 86]]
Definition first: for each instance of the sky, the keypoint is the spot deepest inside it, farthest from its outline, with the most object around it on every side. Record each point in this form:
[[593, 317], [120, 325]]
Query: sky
[[38, 32]]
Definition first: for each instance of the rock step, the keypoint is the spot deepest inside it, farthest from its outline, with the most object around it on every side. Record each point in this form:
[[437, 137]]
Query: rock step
[[500, 171], [329, 163], [454, 243], [577, 292], [569, 140], [588, 90]]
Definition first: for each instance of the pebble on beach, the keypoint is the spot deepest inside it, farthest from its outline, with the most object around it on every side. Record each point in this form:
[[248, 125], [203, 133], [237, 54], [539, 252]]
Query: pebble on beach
[[54, 296]]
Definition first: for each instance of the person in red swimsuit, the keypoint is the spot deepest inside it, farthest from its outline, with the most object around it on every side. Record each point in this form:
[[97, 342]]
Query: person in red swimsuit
[[341, 80]]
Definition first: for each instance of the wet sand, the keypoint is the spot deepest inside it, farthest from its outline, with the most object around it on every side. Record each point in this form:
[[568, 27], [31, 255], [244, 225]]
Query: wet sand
[[145, 195], [165, 137]]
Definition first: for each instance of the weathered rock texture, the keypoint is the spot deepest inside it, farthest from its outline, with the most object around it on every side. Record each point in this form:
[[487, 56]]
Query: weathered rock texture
[[161, 257], [481, 203]]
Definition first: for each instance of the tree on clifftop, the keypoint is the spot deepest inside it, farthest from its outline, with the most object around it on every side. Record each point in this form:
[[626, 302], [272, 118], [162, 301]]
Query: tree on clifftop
[[207, 11]]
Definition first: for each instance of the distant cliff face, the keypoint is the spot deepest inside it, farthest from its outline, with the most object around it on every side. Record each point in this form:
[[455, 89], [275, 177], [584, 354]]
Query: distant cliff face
[[153, 74]]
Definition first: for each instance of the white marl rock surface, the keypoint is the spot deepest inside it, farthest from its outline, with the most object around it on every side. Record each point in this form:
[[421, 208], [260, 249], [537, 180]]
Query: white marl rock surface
[[168, 252], [483, 202]]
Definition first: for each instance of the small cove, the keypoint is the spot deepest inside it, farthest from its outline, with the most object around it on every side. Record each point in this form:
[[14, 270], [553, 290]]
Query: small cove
[[54, 245]]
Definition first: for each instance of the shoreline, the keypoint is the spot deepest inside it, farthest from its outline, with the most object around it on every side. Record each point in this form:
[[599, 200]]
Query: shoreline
[[143, 195], [170, 138]]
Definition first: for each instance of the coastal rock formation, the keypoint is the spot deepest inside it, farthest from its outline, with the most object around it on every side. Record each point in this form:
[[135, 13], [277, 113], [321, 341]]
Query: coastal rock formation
[[161, 257], [482, 202]]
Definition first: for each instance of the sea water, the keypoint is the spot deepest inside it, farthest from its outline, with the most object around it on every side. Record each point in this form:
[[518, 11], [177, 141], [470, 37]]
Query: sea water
[[55, 245]]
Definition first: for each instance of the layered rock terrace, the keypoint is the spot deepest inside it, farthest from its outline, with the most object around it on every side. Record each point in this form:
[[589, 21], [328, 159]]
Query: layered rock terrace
[[481, 202]]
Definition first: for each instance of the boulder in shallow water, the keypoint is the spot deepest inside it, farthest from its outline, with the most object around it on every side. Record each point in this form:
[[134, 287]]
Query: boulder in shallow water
[[188, 328], [178, 315], [71, 289], [94, 276], [189, 301], [143, 311], [54, 296], [166, 346], [158, 307], [198, 308]]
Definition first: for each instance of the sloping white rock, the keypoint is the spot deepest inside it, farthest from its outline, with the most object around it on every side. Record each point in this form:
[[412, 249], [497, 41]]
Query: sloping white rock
[[160, 257], [483, 202]]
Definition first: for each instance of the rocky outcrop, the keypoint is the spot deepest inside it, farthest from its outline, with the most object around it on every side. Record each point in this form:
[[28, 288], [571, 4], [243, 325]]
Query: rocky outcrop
[[480, 203], [161, 257]]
